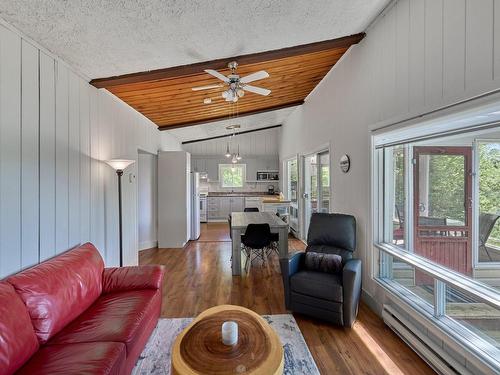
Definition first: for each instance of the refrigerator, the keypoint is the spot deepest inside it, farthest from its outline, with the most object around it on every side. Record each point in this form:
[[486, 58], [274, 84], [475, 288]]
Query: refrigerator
[[195, 205]]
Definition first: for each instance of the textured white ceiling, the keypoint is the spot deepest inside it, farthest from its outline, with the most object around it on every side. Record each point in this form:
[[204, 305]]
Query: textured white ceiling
[[103, 38], [213, 129]]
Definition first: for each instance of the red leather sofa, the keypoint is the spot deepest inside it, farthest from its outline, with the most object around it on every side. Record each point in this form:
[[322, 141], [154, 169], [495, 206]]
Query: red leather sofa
[[70, 315]]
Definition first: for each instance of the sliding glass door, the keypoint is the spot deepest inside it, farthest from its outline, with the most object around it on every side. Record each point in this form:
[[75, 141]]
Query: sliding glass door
[[316, 183]]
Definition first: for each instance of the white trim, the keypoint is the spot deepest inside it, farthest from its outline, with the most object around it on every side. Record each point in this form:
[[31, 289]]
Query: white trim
[[453, 334], [469, 286], [147, 245]]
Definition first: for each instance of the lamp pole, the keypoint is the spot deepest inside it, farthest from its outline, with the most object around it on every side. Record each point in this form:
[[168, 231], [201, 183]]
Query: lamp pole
[[119, 165], [119, 172]]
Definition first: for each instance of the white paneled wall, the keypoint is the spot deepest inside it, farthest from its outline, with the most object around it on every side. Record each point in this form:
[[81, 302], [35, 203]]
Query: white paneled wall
[[55, 130], [418, 56], [265, 142]]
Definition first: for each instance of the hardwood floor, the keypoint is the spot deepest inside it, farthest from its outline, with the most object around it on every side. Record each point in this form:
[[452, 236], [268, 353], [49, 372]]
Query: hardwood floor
[[199, 277]]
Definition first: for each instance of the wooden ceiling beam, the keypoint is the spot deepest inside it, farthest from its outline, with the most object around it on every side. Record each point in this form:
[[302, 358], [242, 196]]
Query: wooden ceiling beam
[[185, 70], [224, 117]]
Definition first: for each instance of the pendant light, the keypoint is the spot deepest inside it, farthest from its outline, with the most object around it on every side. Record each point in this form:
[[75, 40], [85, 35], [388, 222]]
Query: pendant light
[[238, 156], [228, 154]]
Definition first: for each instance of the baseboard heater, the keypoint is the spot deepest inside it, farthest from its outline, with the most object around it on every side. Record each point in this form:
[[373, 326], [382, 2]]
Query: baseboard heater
[[430, 352]]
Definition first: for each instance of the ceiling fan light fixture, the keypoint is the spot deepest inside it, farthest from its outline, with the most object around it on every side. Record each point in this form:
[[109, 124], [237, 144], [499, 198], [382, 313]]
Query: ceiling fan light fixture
[[240, 93]]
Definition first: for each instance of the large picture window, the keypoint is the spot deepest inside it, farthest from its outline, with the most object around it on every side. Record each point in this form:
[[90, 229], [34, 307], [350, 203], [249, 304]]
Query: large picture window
[[437, 225], [232, 175]]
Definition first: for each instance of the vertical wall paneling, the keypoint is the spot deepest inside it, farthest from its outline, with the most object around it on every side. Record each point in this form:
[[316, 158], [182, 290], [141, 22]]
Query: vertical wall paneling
[[479, 43], [453, 47], [388, 86], [62, 159], [433, 51], [417, 55], [47, 157], [29, 155], [74, 160], [96, 190], [402, 55], [85, 164], [55, 132], [496, 39], [10, 152]]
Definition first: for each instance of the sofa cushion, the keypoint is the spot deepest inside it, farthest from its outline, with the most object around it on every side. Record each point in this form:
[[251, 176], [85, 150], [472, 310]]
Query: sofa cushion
[[58, 290], [318, 284], [18, 341], [94, 358], [119, 279], [116, 317]]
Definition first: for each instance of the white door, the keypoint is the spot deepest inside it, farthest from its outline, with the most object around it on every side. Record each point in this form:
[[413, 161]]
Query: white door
[[316, 187]]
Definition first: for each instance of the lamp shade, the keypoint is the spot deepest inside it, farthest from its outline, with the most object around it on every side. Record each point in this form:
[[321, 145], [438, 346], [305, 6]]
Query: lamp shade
[[119, 164]]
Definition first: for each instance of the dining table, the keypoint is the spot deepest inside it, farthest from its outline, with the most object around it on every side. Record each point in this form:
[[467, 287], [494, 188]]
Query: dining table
[[239, 223]]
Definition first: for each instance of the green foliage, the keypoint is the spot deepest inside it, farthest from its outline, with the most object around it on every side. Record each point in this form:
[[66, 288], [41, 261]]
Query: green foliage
[[446, 187], [232, 176], [489, 182]]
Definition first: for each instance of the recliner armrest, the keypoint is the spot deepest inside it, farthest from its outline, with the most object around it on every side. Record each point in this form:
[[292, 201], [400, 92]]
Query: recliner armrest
[[294, 262], [118, 279], [351, 284], [289, 266]]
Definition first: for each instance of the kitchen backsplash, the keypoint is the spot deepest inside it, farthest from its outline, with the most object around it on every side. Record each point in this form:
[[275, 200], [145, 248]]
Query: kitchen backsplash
[[247, 187]]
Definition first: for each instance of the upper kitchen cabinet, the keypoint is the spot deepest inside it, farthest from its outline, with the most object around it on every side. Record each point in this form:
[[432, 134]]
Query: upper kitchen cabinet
[[212, 169]]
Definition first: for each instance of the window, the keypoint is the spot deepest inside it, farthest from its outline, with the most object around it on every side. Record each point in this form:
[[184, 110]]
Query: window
[[232, 175], [437, 230], [488, 158]]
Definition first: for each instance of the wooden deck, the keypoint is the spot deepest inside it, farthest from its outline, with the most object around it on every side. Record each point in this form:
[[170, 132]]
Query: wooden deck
[[199, 277]]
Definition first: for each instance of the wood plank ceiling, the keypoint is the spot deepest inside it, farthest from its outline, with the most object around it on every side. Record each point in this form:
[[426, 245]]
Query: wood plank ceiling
[[165, 96]]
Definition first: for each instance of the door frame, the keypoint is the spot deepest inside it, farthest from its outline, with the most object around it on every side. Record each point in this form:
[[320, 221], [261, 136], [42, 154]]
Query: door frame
[[302, 203], [467, 152]]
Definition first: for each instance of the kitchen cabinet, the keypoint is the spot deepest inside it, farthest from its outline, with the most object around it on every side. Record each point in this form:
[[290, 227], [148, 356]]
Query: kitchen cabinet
[[219, 208], [237, 204], [253, 202], [212, 169]]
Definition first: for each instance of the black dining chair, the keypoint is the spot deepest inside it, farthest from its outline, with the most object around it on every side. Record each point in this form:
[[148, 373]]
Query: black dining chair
[[251, 209], [256, 240]]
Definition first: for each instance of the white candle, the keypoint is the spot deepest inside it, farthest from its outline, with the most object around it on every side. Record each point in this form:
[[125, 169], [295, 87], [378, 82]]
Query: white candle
[[229, 333]]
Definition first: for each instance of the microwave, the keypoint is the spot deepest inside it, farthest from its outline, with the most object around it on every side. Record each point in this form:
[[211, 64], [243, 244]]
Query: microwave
[[267, 176]]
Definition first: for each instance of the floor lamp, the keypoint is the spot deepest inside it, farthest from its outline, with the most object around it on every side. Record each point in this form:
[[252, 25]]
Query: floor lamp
[[119, 165]]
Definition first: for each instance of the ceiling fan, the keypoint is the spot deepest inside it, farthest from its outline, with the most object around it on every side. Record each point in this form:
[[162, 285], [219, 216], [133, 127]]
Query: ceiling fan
[[236, 85]]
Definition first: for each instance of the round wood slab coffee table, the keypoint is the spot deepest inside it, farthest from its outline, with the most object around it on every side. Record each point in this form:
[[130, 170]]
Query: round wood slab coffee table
[[199, 348]]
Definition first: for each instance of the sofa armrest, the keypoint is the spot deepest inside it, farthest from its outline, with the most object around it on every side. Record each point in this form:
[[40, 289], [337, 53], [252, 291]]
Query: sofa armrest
[[118, 279], [290, 266], [351, 283]]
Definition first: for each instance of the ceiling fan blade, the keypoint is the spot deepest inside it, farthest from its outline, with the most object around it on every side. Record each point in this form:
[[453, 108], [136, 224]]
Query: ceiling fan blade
[[218, 75], [254, 76], [257, 90], [207, 87]]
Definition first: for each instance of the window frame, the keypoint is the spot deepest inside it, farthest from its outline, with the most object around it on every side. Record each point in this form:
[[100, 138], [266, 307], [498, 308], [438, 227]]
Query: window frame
[[475, 207], [243, 177], [384, 252]]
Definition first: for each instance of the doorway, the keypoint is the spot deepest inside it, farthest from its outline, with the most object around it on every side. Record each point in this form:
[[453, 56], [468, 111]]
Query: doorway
[[316, 187], [442, 206]]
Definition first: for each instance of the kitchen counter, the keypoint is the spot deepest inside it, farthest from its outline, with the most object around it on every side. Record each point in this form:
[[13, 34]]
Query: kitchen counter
[[242, 194], [275, 199]]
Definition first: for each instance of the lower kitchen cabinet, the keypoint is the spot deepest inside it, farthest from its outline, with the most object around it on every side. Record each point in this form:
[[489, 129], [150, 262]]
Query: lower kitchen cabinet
[[219, 208]]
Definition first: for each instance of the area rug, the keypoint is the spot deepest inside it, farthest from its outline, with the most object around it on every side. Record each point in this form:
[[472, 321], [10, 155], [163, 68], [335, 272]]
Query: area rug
[[155, 359]]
